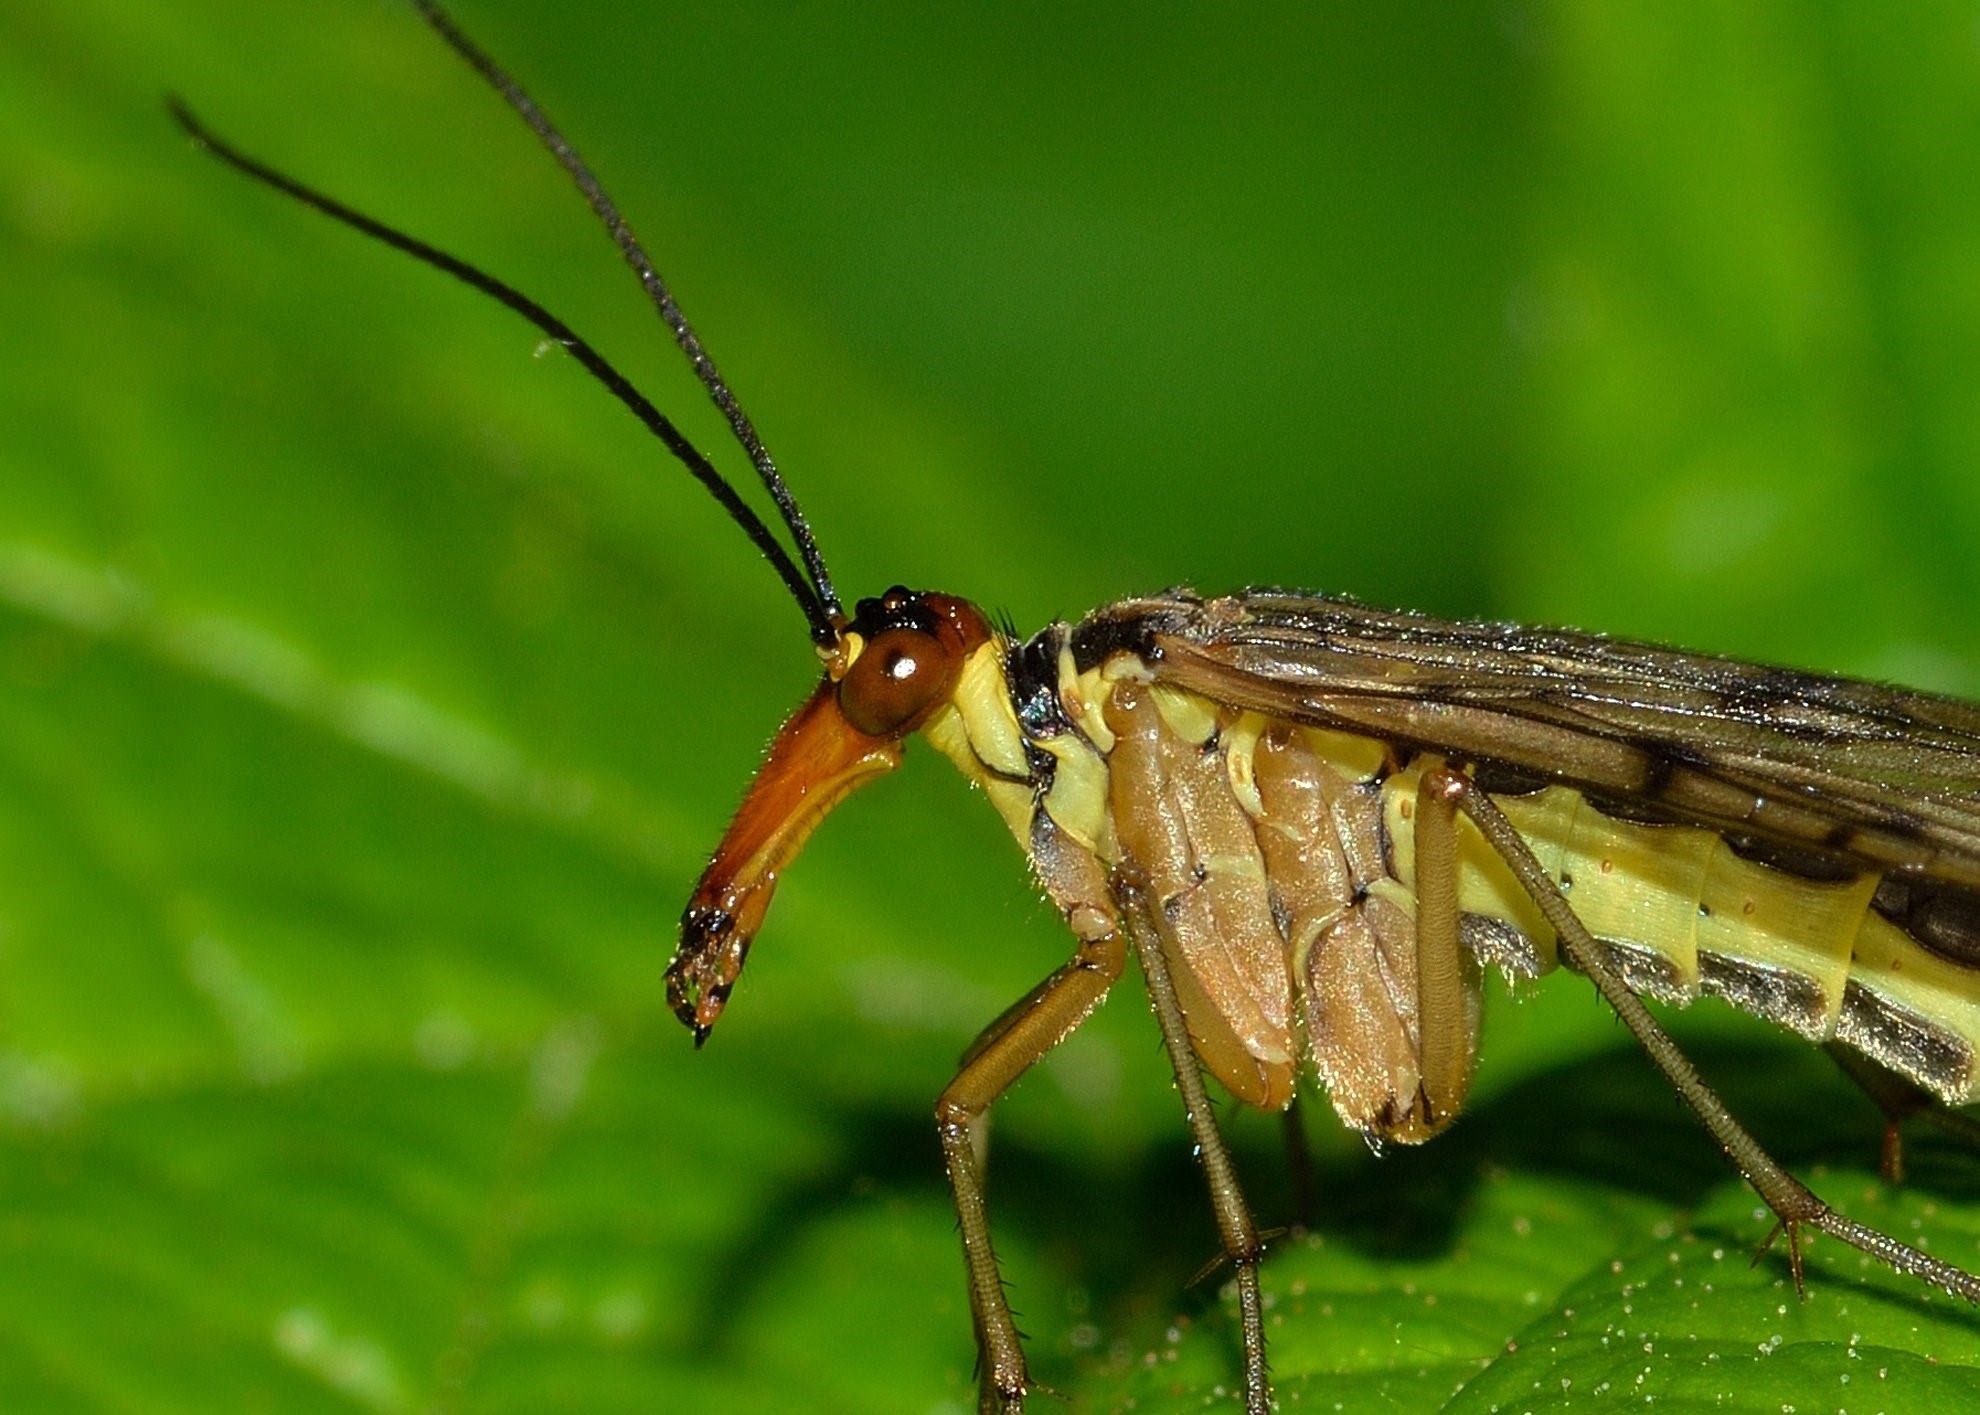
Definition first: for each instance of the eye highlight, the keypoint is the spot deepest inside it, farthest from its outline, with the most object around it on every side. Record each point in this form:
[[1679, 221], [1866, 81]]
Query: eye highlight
[[895, 682]]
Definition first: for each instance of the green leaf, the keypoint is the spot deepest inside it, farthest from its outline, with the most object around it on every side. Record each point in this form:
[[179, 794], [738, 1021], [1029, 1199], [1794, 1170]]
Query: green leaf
[[371, 687], [1544, 1263]]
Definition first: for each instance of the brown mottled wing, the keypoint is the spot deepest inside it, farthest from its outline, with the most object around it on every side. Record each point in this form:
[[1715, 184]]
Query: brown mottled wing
[[1881, 777]]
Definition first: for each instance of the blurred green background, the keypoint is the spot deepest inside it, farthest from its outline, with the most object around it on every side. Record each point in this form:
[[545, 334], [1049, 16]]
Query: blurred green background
[[371, 687]]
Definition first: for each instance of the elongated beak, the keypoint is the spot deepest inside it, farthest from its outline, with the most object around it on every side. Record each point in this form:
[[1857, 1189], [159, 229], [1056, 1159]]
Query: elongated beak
[[817, 760]]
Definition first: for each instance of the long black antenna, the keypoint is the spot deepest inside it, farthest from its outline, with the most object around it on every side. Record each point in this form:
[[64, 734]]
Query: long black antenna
[[656, 288], [820, 619]]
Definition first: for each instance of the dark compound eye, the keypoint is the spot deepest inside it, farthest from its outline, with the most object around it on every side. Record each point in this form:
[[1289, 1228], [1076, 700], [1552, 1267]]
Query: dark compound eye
[[895, 682]]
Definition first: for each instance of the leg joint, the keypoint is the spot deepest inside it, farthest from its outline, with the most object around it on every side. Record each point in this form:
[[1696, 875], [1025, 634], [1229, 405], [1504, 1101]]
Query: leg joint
[[1247, 1254], [1444, 782], [1106, 955]]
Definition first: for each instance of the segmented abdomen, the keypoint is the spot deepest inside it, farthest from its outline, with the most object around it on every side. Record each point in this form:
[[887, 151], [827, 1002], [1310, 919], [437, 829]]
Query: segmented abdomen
[[1689, 912]]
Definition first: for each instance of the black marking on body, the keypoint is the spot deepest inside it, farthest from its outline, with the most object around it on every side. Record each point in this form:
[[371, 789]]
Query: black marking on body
[[1632, 810], [1658, 769], [1643, 970], [1031, 668], [1121, 628], [1789, 859], [997, 773], [1943, 919], [1497, 780], [1499, 944], [1043, 766], [1778, 995], [899, 608], [1906, 1043]]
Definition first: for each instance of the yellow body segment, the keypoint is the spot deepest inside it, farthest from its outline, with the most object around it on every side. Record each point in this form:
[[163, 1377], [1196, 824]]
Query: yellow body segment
[[1900, 980], [1804, 931], [978, 731]]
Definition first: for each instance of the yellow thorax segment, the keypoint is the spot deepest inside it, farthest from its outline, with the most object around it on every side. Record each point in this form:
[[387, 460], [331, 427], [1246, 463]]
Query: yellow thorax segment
[[977, 729]]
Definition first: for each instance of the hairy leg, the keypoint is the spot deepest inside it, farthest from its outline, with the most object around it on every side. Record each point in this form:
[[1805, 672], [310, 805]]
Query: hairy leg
[[1234, 1223], [1007, 1049]]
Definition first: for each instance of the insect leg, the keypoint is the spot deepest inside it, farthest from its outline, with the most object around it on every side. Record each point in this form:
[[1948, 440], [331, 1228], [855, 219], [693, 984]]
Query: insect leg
[[1791, 1200], [1899, 1100], [1446, 1028], [1005, 1052], [1011, 1016], [1234, 1225]]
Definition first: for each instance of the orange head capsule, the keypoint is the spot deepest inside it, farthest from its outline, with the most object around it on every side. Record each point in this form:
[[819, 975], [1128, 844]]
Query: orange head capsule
[[892, 665]]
